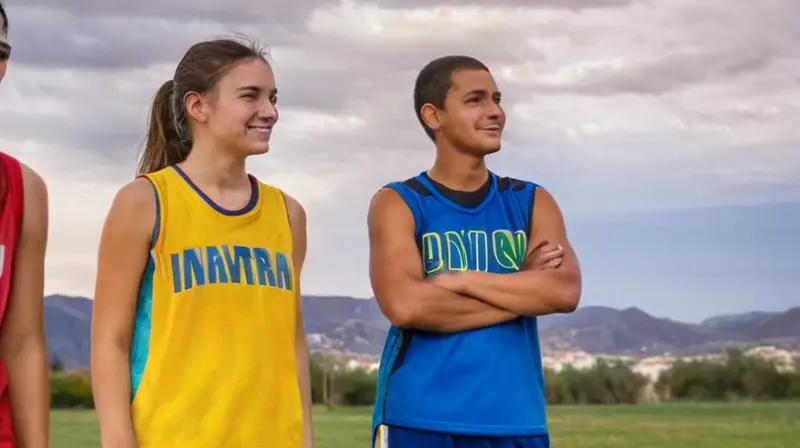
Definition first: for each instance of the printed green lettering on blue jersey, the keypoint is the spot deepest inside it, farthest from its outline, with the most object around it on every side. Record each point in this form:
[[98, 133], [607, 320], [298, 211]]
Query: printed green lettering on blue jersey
[[484, 382]]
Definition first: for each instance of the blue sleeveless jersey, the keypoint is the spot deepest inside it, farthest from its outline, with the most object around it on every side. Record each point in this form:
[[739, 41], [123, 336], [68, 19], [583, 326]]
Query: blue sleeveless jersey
[[488, 381]]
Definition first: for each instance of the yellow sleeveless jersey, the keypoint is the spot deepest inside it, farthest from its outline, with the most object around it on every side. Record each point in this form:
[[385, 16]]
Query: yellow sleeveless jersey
[[212, 358]]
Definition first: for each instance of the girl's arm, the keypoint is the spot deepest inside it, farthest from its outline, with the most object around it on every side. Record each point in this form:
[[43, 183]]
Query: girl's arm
[[124, 250], [297, 220]]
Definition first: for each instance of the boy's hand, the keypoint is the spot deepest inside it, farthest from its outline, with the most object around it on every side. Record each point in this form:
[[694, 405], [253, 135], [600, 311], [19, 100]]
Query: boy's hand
[[548, 256]]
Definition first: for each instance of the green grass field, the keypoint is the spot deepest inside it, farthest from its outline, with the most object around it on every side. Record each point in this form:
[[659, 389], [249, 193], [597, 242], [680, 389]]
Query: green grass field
[[761, 425]]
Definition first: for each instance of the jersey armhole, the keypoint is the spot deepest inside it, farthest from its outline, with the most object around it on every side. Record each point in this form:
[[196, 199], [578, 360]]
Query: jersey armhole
[[523, 193], [534, 187], [156, 234], [15, 185], [295, 275], [12, 188], [282, 195], [412, 202]]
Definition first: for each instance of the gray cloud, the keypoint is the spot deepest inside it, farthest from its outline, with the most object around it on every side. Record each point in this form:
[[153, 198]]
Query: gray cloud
[[369, 77], [133, 34], [249, 11], [668, 73], [545, 4], [612, 105], [57, 39], [717, 44], [231, 12]]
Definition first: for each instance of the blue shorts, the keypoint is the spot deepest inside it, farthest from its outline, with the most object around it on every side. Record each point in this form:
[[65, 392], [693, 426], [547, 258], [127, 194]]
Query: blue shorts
[[395, 437]]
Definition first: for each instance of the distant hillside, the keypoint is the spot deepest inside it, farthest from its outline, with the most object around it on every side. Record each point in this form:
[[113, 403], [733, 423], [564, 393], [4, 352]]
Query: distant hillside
[[341, 323], [632, 331], [67, 322], [733, 322], [606, 330], [776, 325], [346, 324]]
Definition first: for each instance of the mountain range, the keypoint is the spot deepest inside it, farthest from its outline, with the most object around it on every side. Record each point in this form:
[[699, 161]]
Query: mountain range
[[357, 326]]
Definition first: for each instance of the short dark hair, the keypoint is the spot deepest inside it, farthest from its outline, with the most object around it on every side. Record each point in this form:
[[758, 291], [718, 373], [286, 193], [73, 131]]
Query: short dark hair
[[436, 79], [4, 16]]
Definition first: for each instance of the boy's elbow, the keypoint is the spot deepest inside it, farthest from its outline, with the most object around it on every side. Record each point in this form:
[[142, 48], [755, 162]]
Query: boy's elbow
[[398, 309], [568, 304], [570, 295], [400, 315]]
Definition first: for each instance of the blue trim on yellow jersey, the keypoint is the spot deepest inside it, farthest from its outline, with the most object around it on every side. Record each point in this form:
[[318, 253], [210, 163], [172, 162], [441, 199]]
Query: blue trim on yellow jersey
[[140, 342], [157, 224], [251, 204]]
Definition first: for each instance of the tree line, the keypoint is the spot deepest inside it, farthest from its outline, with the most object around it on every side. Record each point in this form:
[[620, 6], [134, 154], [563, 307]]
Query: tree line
[[735, 376]]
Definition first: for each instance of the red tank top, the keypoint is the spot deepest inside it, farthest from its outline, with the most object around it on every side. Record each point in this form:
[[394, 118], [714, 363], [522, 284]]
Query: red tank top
[[11, 208]]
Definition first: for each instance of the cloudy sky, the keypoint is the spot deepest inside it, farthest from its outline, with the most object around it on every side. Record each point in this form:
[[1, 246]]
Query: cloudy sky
[[666, 129]]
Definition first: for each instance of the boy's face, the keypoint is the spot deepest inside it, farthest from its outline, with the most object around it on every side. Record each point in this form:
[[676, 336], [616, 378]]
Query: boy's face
[[472, 116]]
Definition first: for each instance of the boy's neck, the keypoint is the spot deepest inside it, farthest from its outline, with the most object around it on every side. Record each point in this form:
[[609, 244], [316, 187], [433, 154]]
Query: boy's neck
[[459, 171]]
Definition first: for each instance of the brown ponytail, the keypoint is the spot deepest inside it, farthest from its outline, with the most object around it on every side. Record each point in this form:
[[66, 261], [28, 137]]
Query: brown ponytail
[[164, 145], [169, 139]]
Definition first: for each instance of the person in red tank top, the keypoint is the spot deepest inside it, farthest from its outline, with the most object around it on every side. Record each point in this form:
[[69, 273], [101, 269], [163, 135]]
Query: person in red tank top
[[24, 370]]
